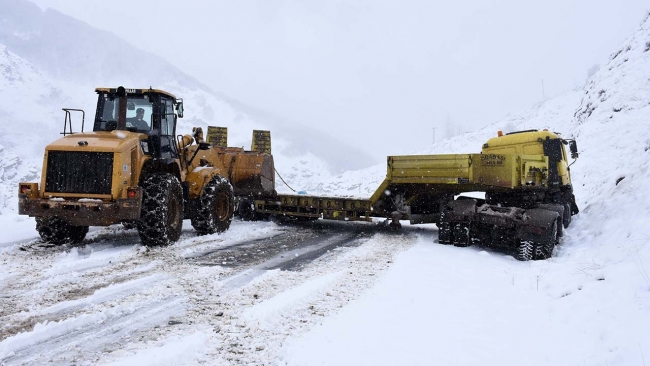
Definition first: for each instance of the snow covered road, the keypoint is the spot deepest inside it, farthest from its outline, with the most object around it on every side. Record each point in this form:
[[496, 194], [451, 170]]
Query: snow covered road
[[239, 294]]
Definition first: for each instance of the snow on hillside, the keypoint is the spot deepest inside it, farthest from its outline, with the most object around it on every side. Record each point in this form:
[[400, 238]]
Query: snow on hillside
[[25, 123]]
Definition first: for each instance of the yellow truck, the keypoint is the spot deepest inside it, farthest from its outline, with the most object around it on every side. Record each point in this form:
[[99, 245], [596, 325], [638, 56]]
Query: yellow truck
[[525, 176], [133, 169]]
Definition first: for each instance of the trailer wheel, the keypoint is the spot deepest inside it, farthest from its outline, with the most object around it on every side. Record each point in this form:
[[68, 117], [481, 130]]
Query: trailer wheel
[[54, 230], [128, 225], [161, 218], [216, 207], [544, 247], [246, 211]]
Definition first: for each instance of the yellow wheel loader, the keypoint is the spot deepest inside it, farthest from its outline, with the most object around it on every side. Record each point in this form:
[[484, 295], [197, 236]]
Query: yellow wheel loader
[[133, 169]]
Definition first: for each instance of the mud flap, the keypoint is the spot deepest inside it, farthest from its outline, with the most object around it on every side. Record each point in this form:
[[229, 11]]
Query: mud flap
[[574, 206], [535, 222]]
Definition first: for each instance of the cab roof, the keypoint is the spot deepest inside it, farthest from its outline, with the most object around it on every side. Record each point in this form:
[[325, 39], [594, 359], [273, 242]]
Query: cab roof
[[520, 138], [136, 91]]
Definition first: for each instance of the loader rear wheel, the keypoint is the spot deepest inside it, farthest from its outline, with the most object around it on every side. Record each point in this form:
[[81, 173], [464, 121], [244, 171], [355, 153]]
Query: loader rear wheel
[[54, 230], [216, 207], [161, 218]]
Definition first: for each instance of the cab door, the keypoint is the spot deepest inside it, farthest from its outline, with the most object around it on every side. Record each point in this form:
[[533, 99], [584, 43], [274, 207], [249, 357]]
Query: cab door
[[168, 148]]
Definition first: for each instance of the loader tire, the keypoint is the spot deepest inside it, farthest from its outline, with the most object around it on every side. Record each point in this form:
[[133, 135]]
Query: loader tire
[[525, 250], [161, 218], [57, 231], [545, 244], [216, 207]]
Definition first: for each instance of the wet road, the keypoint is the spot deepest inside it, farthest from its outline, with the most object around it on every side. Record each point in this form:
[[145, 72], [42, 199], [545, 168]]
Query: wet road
[[293, 248]]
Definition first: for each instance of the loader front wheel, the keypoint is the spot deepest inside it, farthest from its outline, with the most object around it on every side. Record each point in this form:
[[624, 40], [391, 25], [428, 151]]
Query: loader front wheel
[[54, 230], [161, 219], [216, 207]]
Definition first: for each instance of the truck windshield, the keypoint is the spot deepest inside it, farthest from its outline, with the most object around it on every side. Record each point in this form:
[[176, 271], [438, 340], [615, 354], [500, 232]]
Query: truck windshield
[[138, 113]]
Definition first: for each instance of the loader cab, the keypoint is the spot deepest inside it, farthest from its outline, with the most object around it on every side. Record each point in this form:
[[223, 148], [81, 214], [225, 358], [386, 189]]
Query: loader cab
[[151, 112]]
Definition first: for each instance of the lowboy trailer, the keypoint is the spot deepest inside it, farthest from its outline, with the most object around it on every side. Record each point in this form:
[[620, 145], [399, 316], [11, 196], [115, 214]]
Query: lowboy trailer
[[525, 176]]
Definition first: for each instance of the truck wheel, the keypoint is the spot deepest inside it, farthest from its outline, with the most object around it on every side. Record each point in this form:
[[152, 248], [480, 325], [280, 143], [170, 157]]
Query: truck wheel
[[161, 219], [525, 250], [445, 235], [566, 218], [544, 247], [461, 237], [216, 207], [445, 229], [54, 230]]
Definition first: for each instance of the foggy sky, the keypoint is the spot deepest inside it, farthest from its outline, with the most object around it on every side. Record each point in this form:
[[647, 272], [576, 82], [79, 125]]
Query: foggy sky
[[377, 74]]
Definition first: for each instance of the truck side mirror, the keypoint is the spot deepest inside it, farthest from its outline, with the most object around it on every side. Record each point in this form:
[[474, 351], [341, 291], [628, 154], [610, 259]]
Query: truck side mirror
[[573, 146]]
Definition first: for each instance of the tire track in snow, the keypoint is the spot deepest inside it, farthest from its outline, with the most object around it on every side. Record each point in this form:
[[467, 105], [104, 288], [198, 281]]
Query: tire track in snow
[[244, 340], [44, 281], [85, 336]]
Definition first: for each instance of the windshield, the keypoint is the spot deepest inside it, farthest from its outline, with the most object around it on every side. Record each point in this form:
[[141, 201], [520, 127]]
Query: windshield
[[138, 113]]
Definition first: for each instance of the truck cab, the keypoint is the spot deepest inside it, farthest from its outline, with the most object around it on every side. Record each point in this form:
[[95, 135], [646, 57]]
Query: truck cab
[[538, 143]]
